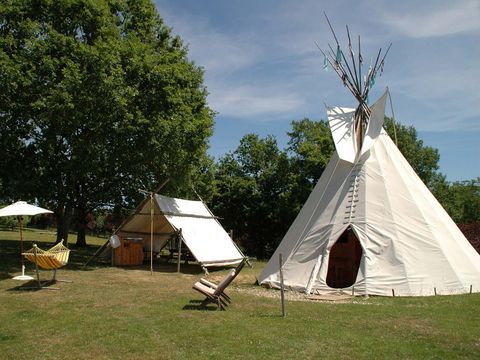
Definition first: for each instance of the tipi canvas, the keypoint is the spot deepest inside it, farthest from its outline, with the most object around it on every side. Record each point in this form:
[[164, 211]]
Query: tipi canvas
[[371, 226]]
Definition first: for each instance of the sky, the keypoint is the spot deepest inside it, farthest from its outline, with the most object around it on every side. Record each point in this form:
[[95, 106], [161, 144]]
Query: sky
[[263, 69]]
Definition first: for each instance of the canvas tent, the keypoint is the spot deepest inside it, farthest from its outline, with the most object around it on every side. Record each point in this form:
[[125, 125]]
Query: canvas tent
[[198, 228], [370, 225]]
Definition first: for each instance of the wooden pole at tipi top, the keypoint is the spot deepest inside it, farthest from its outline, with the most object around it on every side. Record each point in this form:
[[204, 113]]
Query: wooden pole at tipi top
[[351, 76]]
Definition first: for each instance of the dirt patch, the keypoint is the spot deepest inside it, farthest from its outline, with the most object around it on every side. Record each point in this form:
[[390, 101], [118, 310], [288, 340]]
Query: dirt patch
[[333, 297]]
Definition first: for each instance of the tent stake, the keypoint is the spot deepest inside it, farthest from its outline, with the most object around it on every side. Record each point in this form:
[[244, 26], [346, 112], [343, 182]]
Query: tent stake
[[282, 289], [353, 290]]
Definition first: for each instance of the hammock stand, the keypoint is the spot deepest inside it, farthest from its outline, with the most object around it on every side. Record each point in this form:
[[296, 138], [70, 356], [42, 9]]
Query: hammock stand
[[51, 259]]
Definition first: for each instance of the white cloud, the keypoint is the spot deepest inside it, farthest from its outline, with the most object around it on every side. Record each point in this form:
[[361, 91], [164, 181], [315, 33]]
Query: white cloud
[[231, 63], [219, 53], [255, 102], [452, 18]]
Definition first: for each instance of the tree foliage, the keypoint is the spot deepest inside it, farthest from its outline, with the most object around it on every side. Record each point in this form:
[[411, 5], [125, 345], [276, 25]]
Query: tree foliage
[[310, 147], [98, 100], [461, 199], [252, 185]]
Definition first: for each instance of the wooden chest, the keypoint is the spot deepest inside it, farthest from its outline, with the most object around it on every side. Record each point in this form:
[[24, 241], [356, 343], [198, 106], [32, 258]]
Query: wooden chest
[[130, 252]]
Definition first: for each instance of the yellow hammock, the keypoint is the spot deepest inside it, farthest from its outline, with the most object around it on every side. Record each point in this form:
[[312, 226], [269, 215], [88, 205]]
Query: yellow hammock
[[51, 259]]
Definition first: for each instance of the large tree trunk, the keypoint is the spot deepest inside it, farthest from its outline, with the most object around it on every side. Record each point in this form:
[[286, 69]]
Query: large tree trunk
[[81, 225], [63, 225], [81, 241]]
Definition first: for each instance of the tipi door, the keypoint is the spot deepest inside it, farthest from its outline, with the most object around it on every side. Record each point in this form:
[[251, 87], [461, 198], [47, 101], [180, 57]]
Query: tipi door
[[344, 261]]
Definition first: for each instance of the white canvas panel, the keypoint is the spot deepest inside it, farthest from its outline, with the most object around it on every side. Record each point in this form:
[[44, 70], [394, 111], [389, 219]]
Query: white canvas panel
[[172, 206], [207, 240], [375, 123], [341, 126]]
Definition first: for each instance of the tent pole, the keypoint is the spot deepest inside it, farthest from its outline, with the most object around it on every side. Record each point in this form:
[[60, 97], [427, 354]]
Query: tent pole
[[179, 249], [161, 186], [393, 117], [151, 233]]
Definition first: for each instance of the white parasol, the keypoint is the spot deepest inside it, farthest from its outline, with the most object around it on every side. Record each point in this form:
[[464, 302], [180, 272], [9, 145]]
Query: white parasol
[[21, 208]]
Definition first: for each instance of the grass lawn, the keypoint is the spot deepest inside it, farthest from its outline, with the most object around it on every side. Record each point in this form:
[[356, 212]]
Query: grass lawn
[[127, 313]]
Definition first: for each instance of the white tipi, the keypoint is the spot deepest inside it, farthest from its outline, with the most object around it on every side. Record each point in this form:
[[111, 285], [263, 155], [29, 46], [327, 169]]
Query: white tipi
[[371, 226]]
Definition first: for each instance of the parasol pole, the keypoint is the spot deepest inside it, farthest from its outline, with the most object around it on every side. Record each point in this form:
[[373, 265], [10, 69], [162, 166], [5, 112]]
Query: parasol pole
[[21, 244]]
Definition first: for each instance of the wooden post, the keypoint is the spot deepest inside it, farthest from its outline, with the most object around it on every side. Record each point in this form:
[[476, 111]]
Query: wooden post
[[36, 265], [112, 253], [470, 289], [435, 291], [282, 290], [151, 233], [393, 292], [179, 235]]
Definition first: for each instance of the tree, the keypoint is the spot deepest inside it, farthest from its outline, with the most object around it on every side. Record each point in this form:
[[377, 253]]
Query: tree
[[461, 199], [99, 100], [251, 196], [467, 200], [310, 148]]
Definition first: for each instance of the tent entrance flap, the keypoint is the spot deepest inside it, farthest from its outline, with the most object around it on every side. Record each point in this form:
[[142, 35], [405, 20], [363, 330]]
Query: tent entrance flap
[[344, 261]]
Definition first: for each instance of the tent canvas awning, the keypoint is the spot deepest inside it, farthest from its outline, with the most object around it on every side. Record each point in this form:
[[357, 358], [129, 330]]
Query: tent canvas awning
[[200, 230]]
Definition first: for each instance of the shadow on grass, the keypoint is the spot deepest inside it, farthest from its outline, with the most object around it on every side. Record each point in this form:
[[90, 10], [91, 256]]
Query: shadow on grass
[[198, 305], [162, 266], [32, 285], [10, 260]]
